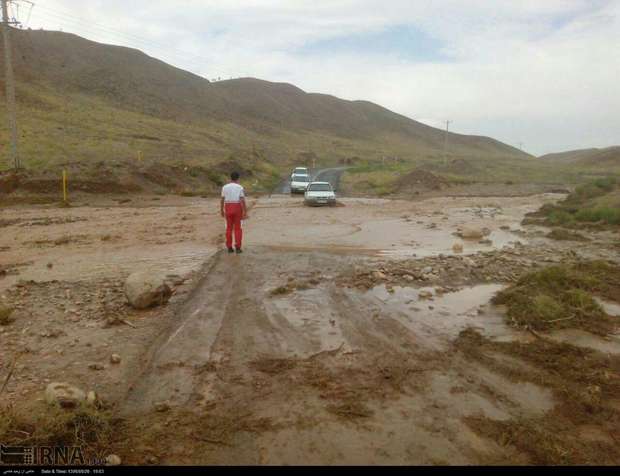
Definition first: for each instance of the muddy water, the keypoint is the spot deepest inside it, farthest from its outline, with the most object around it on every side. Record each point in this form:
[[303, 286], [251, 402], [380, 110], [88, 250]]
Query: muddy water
[[611, 308], [439, 318], [609, 344], [390, 228], [108, 242], [310, 314]]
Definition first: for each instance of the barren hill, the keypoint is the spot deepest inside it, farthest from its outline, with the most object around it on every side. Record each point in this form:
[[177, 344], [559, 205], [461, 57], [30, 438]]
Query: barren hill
[[94, 107], [591, 158]]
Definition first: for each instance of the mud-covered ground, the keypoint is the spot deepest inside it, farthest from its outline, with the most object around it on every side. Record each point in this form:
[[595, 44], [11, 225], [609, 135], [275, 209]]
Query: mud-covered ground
[[340, 336]]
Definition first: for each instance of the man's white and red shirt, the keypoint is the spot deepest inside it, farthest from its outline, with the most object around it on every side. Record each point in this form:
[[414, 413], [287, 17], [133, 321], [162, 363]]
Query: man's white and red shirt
[[232, 193]]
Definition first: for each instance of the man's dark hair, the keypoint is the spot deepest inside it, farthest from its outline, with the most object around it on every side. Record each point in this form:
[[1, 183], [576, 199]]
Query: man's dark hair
[[234, 176]]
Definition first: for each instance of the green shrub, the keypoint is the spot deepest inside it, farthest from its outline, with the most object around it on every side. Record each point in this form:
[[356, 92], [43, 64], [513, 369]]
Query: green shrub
[[561, 296], [609, 215], [560, 217]]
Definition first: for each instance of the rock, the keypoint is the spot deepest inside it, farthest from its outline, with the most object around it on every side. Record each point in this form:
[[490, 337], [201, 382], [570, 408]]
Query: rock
[[64, 395], [175, 279], [425, 294], [378, 275], [162, 407], [469, 262], [96, 367], [91, 398], [145, 289], [50, 265], [113, 460], [115, 359], [152, 460], [427, 270], [471, 233], [457, 247]]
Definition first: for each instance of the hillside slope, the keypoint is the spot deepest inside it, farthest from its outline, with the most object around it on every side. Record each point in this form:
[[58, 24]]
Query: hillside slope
[[593, 158], [82, 103]]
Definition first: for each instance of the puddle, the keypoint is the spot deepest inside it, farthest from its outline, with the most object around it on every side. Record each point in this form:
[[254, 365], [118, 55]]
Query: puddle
[[442, 316], [436, 241], [610, 307], [389, 228], [579, 338]]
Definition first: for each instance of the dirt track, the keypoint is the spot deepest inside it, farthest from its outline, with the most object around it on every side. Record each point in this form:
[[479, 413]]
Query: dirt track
[[277, 356], [331, 175]]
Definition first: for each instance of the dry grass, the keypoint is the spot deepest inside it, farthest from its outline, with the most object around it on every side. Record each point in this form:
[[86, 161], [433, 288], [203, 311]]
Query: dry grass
[[583, 381], [561, 234], [87, 427]]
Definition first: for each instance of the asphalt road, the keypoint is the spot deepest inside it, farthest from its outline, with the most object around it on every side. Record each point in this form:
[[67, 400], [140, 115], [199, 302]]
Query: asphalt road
[[331, 175]]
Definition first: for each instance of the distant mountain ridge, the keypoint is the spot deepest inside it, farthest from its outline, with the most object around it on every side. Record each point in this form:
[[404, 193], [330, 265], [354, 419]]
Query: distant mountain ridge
[[58, 70], [608, 156], [133, 79]]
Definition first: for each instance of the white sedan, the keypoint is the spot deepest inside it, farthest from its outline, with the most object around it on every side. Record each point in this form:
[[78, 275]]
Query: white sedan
[[299, 183], [300, 171], [320, 193]]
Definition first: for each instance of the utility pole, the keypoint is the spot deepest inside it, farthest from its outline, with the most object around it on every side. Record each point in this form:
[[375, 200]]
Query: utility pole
[[10, 83], [445, 145]]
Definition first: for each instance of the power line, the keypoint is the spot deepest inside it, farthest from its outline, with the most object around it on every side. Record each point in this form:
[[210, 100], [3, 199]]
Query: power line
[[107, 36], [53, 15]]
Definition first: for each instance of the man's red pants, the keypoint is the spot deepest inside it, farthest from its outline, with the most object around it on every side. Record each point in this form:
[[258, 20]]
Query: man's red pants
[[233, 214]]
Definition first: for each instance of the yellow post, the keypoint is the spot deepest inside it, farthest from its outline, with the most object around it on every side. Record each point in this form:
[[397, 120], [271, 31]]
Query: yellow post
[[139, 156], [64, 186]]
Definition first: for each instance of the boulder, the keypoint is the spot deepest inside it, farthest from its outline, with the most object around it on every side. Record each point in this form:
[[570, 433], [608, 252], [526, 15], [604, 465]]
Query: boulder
[[113, 460], [92, 398], [378, 275], [457, 247], [471, 233], [146, 289], [64, 395], [424, 294]]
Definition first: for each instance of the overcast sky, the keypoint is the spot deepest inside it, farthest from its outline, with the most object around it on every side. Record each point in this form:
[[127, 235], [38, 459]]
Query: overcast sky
[[544, 73]]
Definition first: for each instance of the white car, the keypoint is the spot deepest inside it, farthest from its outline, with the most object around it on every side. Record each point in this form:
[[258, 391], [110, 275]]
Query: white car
[[320, 193], [299, 183], [300, 171]]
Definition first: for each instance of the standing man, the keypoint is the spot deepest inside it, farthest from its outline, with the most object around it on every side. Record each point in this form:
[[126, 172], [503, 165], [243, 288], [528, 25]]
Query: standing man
[[232, 207]]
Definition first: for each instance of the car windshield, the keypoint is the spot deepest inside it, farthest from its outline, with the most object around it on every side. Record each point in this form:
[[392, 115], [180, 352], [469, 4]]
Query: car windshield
[[320, 187], [300, 170], [300, 178]]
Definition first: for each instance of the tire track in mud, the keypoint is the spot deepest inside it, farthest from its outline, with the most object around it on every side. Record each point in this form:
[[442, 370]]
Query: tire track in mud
[[182, 346], [254, 378]]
